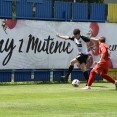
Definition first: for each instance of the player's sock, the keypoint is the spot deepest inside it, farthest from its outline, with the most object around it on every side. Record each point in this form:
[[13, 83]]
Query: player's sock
[[68, 73], [107, 77], [69, 70], [86, 75], [91, 77]]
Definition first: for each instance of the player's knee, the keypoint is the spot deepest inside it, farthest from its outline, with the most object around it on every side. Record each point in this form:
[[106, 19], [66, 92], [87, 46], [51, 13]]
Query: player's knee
[[92, 71], [72, 62], [83, 68], [102, 74]]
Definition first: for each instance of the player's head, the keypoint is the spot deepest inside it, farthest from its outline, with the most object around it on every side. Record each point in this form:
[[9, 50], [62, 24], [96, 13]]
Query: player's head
[[76, 33], [102, 39]]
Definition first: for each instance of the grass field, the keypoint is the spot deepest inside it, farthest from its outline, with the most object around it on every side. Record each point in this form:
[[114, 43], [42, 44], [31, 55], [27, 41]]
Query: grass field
[[58, 100]]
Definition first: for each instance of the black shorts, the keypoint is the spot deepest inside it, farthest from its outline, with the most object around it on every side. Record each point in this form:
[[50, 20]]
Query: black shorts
[[82, 58]]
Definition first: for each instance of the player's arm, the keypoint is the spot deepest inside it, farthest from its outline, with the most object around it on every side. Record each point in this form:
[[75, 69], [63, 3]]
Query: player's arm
[[87, 39], [63, 37], [93, 39]]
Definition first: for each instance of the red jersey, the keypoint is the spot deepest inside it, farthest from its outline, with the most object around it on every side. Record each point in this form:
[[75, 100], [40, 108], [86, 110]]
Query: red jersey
[[103, 49]]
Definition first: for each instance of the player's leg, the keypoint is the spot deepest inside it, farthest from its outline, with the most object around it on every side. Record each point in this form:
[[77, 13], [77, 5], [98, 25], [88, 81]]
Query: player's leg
[[91, 79], [82, 60], [72, 62], [85, 72], [104, 75]]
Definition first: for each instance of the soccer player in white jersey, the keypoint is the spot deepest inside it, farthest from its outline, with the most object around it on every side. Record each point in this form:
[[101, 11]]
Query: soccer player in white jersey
[[82, 57]]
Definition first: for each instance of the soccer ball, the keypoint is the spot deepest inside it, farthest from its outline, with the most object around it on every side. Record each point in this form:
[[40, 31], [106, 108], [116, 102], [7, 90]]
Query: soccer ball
[[75, 83]]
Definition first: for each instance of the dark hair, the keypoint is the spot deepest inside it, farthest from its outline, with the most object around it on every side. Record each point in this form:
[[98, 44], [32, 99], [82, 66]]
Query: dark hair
[[102, 39], [76, 31]]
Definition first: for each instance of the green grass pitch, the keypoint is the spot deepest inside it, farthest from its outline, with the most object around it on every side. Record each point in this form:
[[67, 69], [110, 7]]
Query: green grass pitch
[[58, 100]]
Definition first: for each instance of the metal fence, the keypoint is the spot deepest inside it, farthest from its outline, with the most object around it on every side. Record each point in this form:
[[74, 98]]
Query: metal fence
[[65, 11], [45, 75]]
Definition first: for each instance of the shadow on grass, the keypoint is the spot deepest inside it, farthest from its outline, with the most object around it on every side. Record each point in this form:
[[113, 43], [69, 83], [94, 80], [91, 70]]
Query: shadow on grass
[[31, 83], [12, 83], [100, 86]]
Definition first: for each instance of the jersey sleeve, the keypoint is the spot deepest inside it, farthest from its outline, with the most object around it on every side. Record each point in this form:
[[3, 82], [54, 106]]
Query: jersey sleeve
[[86, 39], [71, 38]]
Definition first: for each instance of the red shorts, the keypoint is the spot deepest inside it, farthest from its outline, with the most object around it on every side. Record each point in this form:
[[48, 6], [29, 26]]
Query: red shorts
[[102, 68]]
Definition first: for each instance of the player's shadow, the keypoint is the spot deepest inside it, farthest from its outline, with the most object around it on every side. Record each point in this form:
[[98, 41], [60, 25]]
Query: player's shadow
[[100, 86]]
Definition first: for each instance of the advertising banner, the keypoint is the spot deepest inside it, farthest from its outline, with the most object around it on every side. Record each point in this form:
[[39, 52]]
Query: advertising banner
[[31, 44]]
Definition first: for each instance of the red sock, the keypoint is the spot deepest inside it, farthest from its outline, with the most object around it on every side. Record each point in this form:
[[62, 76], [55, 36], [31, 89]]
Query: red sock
[[107, 77], [91, 78]]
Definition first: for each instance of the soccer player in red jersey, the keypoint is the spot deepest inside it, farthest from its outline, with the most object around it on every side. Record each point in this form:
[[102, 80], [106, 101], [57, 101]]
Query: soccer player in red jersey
[[102, 65]]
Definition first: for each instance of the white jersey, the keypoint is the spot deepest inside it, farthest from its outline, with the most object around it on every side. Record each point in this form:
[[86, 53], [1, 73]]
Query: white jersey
[[81, 44]]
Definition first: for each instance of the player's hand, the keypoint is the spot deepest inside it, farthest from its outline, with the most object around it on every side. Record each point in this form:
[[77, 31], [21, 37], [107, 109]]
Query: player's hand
[[95, 62], [57, 35], [98, 63]]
